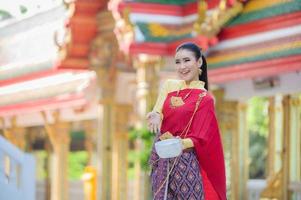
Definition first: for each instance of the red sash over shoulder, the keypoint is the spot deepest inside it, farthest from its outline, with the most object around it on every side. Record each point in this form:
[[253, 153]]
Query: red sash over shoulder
[[204, 133]]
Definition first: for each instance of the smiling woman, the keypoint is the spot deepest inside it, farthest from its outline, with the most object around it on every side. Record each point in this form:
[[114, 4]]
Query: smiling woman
[[185, 110], [191, 64]]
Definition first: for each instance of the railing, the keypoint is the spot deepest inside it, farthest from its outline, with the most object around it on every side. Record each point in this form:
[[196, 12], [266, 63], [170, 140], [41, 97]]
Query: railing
[[295, 188], [255, 187], [17, 173]]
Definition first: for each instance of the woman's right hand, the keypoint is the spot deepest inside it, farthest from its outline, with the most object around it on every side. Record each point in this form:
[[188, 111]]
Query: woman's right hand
[[153, 121]]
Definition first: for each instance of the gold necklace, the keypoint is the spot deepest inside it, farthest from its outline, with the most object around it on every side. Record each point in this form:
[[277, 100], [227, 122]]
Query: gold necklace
[[176, 101]]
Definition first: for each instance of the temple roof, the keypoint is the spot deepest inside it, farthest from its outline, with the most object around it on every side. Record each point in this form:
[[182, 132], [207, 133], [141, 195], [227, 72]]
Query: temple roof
[[33, 75], [264, 40], [161, 25]]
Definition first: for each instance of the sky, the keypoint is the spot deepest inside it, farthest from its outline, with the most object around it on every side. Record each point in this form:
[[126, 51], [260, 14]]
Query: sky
[[19, 9]]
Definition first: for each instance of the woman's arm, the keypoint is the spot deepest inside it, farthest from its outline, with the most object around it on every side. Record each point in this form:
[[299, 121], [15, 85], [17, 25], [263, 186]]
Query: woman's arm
[[161, 98], [155, 117]]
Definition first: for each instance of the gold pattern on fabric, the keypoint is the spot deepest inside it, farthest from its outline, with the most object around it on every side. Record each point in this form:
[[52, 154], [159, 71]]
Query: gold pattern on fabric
[[172, 85]]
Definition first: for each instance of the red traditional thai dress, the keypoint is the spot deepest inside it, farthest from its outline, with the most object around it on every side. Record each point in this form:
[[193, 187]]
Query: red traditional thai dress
[[200, 173]]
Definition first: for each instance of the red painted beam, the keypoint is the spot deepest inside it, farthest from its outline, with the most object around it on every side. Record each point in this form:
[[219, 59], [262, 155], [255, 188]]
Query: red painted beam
[[162, 9], [167, 49], [90, 7], [73, 63], [212, 3], [81, 36], [267, 24], [36, 75], [256, 69], [149, 48], [78, 50], [256, 46], [259, 64], [86, 23], [256, 73], [73, 100]]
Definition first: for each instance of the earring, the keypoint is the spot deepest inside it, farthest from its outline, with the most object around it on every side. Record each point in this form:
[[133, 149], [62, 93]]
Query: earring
[[200, 72]]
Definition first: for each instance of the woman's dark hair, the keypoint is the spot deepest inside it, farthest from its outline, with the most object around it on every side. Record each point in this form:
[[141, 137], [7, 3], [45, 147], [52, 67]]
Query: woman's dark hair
[[198, 54]]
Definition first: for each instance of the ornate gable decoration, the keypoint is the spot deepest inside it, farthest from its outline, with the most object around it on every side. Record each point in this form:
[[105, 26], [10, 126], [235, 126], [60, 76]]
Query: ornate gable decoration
[[158, 26]]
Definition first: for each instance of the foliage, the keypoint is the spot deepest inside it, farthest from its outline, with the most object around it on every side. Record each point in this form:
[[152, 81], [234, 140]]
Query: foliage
[[77, 161], [147, 139], [258, 154], [258, 116], [4, 15], [40, 157], [258, 131]]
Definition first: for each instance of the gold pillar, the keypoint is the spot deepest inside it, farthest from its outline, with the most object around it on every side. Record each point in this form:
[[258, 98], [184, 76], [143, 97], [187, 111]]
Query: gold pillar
[[103, 56], [281, 172], [275, 136], [277, 142], [120, 152], [59, 137], [286, 146], [15, 134], [243, 151], [232, 118], [147, 85], [105, 137], [295, 138], [90, 139]]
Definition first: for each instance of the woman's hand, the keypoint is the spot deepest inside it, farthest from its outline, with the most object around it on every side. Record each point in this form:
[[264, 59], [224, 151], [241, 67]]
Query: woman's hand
[[153, 121]]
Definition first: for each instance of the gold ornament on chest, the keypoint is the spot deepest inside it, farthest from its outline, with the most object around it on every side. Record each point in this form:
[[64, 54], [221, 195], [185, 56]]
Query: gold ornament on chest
[[176, 101]]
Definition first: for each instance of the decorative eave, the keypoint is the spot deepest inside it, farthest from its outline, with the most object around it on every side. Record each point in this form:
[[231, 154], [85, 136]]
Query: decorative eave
[[59, 89], [73, 62], [254, 47], [81, 30], [258, 69], [168, 9], [167, 49], [262, 25], [157, 28], [160, 9], [73, 101]]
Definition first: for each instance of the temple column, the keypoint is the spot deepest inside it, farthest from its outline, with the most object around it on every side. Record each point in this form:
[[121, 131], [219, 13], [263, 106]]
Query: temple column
[[104, 148], [291, 143], [278, 152], [103, 56], [147, 88], [59, 137], [243, 150], [90, 140], [232, 118], [274, 162], [120, 152], [15, 134], [295, 139], [286, 145]]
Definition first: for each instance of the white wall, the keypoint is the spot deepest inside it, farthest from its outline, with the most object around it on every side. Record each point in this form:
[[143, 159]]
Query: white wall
[[244, 89]]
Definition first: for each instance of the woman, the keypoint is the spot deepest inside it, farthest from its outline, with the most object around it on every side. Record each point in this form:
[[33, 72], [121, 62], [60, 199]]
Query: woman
[[185, 109]]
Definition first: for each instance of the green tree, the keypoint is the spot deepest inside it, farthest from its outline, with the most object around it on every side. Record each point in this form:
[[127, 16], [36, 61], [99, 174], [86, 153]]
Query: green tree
[[258, 132]]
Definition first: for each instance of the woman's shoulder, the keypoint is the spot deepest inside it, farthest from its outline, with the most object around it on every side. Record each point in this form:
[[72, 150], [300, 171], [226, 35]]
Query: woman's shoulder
[[208, 98], [172, 84]]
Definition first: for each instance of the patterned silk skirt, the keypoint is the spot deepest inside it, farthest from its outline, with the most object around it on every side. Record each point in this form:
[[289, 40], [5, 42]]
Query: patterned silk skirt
[[184, 182]]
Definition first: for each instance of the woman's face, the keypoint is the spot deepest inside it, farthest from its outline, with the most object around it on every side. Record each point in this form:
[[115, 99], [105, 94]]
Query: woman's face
[[187, 66]]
